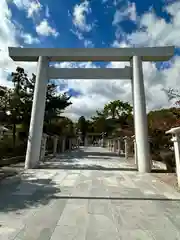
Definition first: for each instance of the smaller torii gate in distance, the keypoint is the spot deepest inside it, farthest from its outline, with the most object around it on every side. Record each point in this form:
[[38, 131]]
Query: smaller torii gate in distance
[[135, 73], [90, 136]]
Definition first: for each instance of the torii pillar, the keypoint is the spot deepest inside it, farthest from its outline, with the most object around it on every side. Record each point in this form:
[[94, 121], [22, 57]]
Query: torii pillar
[[140, 116], [37, 114]]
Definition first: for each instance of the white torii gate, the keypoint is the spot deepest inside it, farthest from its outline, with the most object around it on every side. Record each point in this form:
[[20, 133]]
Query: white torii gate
[[135, 73]]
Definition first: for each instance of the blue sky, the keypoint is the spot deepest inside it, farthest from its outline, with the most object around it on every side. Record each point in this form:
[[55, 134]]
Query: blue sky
[[97, 29], [99, 24]]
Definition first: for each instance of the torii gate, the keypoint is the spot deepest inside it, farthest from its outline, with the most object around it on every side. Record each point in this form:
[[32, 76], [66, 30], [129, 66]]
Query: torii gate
[[135, 73]]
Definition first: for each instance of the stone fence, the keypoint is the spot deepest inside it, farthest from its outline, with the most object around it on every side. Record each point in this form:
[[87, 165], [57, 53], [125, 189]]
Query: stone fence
[[59, 145], [176, 140]]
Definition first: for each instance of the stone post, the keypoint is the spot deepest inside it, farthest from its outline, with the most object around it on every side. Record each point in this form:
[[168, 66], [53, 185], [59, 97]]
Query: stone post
[[86, 141], [70, 144], [77, 142], [43, 147], [37, 114], [135, 149], [119, 146], [102, 142], [73, 143], [55, 143], [141, 129], [63, 144], [126, 147], [111, 145], [114, 145], [176, 140]]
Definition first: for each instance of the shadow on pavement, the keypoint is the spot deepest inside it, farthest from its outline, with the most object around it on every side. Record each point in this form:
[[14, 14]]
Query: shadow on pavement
[[159, 171], [56, 165], [73, 161], [83, 153], [27, 194], [119, 198]]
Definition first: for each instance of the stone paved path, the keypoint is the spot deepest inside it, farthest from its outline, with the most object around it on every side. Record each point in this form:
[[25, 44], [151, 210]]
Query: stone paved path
[[100, 199]]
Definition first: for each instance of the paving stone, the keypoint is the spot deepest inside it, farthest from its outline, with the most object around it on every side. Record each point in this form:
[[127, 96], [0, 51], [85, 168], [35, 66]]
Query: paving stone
[[100, 207], [127, 219], [69, 180], [158, 222], [53, 204], [41, 225], [165, 234], [101, 227], [73, 222], [101, 235], [9, 233], [174, 217], [75, 213], [82, 187], [59, 177], [135, 234], [66, 232], [63, 192]]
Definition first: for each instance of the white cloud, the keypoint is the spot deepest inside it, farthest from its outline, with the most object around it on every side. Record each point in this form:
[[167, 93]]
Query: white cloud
[[156, 31], [116, 2], [45, 29], [9, 32], [32, 7], [29, 39], [88, 43], [21, 3], [7, 38], [94, 93], [127, 12], [47, 13], [78, 34], [152, 31], [79, 16]]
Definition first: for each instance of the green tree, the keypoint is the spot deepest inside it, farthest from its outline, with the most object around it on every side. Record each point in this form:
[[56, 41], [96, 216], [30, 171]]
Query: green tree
[[10, 109], [60, 126], [159, 121], [115, 116], [117, 109], [5, 94], [24, 89], [16, 103]]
